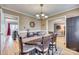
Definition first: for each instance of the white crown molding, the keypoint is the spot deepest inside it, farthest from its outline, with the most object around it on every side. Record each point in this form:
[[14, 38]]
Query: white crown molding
[[61, 12], [17, 11]]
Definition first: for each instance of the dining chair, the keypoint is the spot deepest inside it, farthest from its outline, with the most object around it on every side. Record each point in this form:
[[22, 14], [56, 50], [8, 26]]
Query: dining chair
[[25, 49], [52, 44], [44, 46]]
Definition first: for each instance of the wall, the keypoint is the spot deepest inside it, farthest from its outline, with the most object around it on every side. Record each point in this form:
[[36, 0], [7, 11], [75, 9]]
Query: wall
[[24, 24], [53, 21], [24, 21], [55, 18]]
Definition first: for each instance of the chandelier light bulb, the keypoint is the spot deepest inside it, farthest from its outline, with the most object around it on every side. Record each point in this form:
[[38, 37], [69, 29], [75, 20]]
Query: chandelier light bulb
[[42, 14], [37, 15], [46, 16]]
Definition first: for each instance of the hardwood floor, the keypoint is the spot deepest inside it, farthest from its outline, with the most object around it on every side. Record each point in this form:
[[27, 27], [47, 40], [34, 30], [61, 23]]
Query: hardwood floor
[[11, 47], [62, 44]]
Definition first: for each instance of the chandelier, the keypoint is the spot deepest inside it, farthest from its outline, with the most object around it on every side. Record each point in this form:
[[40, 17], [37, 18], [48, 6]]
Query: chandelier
[[41, 15]]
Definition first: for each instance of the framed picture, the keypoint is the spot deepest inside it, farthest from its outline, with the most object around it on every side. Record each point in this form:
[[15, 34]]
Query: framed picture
[[32, 24], [59, 28]]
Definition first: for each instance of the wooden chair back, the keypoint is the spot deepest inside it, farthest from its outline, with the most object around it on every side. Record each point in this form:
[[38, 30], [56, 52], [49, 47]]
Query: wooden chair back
[[46, 42], [53, 37], [20, 45]]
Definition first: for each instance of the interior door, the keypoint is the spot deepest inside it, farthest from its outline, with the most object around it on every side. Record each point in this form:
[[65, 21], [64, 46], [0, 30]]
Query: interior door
[[73, 33]]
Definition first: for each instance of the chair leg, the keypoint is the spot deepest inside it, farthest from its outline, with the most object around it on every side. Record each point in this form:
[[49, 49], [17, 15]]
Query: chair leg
[[55, 48], [48, 52], [52, 50]]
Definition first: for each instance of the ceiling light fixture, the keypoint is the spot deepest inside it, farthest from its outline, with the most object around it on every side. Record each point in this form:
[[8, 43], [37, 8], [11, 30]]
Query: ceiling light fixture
[[41, 15]]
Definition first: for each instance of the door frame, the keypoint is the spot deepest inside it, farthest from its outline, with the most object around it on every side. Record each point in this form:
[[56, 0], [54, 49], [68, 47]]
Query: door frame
[[0, 32], [2, 18]]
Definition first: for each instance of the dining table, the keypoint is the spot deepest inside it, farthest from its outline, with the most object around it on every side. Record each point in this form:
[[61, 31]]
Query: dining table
[[34, 39]]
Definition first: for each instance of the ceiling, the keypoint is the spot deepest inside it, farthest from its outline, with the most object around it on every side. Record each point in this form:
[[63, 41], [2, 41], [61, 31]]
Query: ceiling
[[48, 9]]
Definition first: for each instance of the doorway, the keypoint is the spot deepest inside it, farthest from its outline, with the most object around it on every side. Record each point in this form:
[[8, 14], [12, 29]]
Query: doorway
[[60, 24], [59, 28], [11, 23]]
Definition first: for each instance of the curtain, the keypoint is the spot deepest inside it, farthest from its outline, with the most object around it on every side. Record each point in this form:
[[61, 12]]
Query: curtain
[[8, 30]]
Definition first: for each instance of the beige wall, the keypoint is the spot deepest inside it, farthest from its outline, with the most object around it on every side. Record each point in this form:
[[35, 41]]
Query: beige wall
[[24, 21], [53, 21], [59, 18]]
